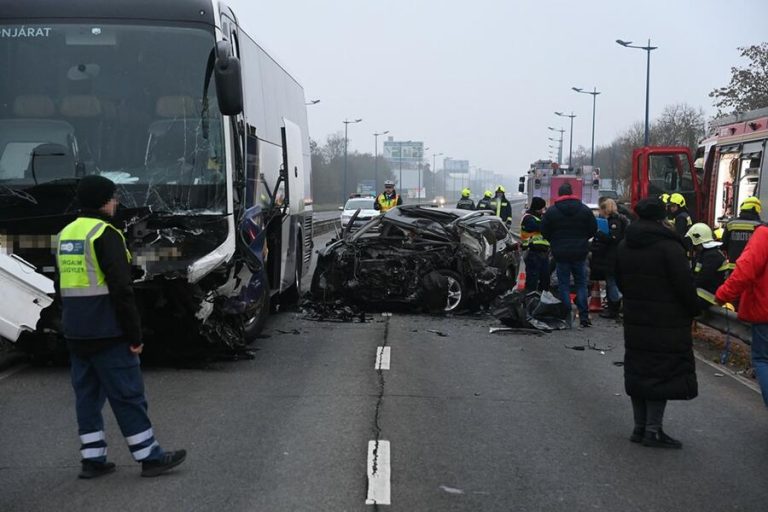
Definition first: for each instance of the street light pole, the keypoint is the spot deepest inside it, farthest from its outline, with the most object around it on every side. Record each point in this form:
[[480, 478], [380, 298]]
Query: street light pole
[[594, 94], [434, 169], [648, 49], [421, 164], [344, 184], [570, 144], [560, 151], [376, 159]]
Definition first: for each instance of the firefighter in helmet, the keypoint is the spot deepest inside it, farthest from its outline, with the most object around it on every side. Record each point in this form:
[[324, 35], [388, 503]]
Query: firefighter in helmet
[[501, 205], [485, 202], [678, 214], [738, 231], [709, 265], [465, 203]]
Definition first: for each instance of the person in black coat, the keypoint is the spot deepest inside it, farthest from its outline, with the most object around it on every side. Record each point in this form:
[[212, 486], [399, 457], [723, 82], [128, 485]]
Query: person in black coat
[[660, 303], [568, 226], [605, 247]]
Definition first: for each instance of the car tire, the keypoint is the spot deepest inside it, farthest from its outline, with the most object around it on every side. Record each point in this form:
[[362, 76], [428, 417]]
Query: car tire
[[457, 291], [255, 317]]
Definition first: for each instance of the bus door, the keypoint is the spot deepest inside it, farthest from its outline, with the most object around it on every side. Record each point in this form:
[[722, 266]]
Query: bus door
[[291, 253], [660, 170]]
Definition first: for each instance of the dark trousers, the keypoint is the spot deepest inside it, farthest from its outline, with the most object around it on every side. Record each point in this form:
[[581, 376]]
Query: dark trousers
[[536, 270], [649, 414], [112, 374]]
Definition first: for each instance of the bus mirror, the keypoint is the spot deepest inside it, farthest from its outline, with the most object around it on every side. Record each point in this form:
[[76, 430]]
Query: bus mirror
[[522, 179], [521, 188], [229, 84]]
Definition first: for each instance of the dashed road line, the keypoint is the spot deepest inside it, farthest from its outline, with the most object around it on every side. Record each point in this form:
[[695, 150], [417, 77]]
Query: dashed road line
[[16, 369], [382, 358], [379, 472]]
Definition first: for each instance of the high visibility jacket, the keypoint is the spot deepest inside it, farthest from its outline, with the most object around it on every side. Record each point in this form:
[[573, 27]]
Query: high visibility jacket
[[709, 273], [484, 204], [736, 235], [87, 310], [465, 203], [502, 208], [387, 203], [531, 236]]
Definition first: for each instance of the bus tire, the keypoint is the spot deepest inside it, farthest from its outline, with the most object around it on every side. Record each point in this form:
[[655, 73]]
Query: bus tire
[[291, 296]]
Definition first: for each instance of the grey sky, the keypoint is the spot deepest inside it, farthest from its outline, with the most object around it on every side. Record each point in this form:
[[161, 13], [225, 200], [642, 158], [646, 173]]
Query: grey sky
[[480, 80]]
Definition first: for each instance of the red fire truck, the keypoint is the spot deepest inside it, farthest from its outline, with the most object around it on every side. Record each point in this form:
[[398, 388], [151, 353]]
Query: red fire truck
[[545, 177], [726, 169]]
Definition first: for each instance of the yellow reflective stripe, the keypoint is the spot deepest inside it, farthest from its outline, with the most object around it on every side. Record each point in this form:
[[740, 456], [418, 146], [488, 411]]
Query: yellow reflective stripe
[[726, 266], [707, 296], [740, 226], [698, 267], [90, 291]]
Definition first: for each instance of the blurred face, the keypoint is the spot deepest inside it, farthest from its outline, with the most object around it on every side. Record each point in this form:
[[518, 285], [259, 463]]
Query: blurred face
[[111, 207], [672, 207], [389, 188]]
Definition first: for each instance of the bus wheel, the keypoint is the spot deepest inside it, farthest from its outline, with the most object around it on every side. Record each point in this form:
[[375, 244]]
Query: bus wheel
[[255, 317]]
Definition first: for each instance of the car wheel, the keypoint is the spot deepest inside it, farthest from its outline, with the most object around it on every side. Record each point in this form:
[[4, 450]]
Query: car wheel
[[255, 317], [456, 290]]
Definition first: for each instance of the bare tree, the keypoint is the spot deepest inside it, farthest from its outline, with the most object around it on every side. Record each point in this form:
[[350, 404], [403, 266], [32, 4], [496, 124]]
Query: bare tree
[[748, 89]]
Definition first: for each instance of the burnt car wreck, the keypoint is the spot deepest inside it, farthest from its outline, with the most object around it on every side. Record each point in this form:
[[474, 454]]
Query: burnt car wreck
[[426, 259]]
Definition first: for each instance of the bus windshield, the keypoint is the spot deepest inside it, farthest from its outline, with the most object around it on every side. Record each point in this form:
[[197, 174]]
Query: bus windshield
[[128, 102]]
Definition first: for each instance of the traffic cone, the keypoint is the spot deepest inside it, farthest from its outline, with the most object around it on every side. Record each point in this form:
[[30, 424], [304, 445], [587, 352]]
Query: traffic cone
[[595, 303]]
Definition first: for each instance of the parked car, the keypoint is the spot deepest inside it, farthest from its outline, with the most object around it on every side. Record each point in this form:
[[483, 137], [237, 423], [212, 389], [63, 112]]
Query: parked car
[[418, 255], [367, 211]]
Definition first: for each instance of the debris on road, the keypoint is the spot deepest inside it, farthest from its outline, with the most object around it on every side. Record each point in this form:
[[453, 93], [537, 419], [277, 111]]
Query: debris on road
[[515, 330], [719, 375], [334, 311], [541, 311], [439, 333], [451, 490]]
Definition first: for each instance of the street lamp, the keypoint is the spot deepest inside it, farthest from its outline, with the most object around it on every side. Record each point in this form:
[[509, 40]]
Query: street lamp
[[434, 169], [312, 102], [648, 49], [376, 158], [594, 94], [560, 151], [344, 184], [570, 144], [421, 164]]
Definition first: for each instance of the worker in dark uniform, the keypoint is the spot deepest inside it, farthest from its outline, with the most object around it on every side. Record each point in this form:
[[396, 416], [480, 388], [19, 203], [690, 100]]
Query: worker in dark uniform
[[465, 203], [387, 199], [535, 246], [485, 202], [738, 231], [678, 214], [101, 326], [500, 205], [708, 264]]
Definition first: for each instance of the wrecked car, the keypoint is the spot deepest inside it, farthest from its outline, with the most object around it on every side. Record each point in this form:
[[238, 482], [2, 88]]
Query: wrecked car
[[423, 256]]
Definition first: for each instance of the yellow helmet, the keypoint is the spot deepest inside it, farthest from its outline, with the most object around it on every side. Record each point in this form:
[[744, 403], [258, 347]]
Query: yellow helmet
[[677, 199], [488, 193], [700, 233], [664, 197], [751, 203], [465, 192], [500, 189]]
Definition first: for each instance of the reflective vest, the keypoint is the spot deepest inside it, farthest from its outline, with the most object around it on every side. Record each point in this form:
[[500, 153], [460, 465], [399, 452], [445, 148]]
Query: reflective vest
[[739, 232], [387, 204], [87, 311], [532, 239]]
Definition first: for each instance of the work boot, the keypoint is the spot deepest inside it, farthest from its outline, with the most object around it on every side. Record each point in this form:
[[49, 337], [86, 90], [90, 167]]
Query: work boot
[[637, 434], [612, 311], [92, 469], [660, 440], [167, 461], [585, 322]]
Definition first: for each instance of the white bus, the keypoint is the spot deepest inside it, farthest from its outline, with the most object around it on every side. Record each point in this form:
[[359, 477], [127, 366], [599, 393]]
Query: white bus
[[204, 133]]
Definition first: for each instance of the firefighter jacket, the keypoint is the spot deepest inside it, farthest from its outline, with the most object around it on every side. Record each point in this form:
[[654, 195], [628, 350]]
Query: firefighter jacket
[[501, 206], [749, 281], [484, 204], [465, 203], [94, 282], [682, 221], [738, 232], [386, 202], [530, 233], [708, 274]]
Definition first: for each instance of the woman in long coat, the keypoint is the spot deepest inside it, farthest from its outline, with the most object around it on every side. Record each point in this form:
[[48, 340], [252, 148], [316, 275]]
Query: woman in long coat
[[660, 302]]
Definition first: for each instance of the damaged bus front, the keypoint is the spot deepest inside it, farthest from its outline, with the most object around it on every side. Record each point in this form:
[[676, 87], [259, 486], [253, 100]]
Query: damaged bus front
[[176, 105]]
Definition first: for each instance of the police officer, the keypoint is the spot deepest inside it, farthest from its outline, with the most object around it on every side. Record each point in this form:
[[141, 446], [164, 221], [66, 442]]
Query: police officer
[[101, 326], [500, 205], [387, 199], [709, 263], [465, 203], [485, 202], [678, 214], [738, 231], [537, 249]]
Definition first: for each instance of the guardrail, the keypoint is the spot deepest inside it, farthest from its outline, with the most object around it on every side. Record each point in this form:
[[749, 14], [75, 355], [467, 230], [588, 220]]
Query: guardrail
[[725, 321]]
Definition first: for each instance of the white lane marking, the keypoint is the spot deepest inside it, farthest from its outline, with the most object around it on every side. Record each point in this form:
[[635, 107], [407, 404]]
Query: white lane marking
[[379, 471], [8, 373], [742, 380], [382, 358], [451, 490]]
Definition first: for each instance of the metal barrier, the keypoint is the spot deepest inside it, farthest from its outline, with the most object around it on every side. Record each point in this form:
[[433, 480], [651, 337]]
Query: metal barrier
[[725, 321]]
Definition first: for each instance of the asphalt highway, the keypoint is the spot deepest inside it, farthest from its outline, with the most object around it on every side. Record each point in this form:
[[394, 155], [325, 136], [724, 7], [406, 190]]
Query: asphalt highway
[[402, 412]]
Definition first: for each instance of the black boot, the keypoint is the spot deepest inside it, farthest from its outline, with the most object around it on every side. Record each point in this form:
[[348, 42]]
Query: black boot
[[167, 461], [612, 311], [637, 435], [660, 440], [91, 469]]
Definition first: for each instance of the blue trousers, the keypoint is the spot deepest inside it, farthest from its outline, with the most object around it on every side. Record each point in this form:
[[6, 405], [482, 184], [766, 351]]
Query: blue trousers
[[112, 374], [578, 269], [536, 271], [760, 357], [612, 289]]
